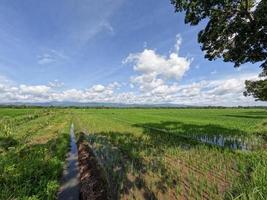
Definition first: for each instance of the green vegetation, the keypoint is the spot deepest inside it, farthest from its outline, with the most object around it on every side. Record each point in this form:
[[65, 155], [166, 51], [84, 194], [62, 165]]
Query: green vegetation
[[12, 112], [159, 154], [32, 152], [145, 153]]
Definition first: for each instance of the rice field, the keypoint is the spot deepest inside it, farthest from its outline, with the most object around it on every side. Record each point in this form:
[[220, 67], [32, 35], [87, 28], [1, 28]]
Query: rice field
[[144, 153]]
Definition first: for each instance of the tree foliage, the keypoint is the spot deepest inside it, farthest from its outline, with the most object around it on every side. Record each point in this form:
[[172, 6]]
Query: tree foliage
[[258, 89], [236, 31]]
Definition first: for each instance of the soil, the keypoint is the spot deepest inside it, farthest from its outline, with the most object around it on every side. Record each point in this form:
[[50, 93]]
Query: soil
[[94, 185]]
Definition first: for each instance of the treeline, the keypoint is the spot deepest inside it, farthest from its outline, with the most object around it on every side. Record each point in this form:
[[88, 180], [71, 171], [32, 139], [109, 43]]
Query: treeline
[[131, 107]]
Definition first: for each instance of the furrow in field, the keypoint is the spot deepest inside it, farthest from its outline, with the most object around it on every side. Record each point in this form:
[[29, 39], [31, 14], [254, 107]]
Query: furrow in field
[[215, 172]]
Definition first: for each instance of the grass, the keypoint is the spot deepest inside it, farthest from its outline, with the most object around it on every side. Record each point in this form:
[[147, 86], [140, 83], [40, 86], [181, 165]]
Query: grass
[[32, 154], [146, 153], [14, 112], [154, 153]]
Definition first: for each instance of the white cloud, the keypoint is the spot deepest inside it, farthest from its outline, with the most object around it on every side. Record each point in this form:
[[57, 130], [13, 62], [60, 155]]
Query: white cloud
[[50, 56], [33, 90], [156, 71], [225, 91], [98, 88], [43, 93], [149, 62], [178, 43], [55, 84]]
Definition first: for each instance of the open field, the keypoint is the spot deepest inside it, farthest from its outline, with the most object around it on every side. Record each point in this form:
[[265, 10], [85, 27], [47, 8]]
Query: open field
[[161, 154], [144, 153]]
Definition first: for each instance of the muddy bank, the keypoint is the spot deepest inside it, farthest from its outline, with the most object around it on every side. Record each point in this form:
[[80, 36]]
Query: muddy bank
[[93, 182]]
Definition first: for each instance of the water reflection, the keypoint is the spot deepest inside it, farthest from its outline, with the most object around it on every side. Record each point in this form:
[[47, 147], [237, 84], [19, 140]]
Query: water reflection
[[234, 143]]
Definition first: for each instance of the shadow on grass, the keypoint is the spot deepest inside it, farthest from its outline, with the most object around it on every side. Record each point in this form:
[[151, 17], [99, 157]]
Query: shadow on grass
[[209, 134], [250, 115], [175, 129], [6, 142], [118, 152], [135, 149], [263, 113]]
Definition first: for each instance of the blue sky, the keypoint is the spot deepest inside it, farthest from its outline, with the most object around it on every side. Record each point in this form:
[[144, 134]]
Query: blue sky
[[110, 51]]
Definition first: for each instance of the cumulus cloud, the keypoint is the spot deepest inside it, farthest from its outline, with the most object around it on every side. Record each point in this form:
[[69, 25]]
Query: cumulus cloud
[[33, 90], [155, 70], [226, 91], [50, 92], [149, 62], [220, 92]]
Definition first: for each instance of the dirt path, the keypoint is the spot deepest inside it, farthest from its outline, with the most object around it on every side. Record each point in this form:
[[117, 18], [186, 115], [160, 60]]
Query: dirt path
[[70, 187]]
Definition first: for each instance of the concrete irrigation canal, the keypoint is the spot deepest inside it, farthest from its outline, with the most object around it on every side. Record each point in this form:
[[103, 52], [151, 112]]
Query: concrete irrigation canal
[[83, 177], [70, 185]]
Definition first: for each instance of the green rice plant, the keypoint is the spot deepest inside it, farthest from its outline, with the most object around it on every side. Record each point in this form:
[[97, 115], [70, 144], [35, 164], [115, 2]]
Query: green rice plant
[[152, 142]]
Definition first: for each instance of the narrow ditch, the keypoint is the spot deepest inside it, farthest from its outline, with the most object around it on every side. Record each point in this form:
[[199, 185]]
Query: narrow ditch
[[83, 177], [93, 181], [70, 183]]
